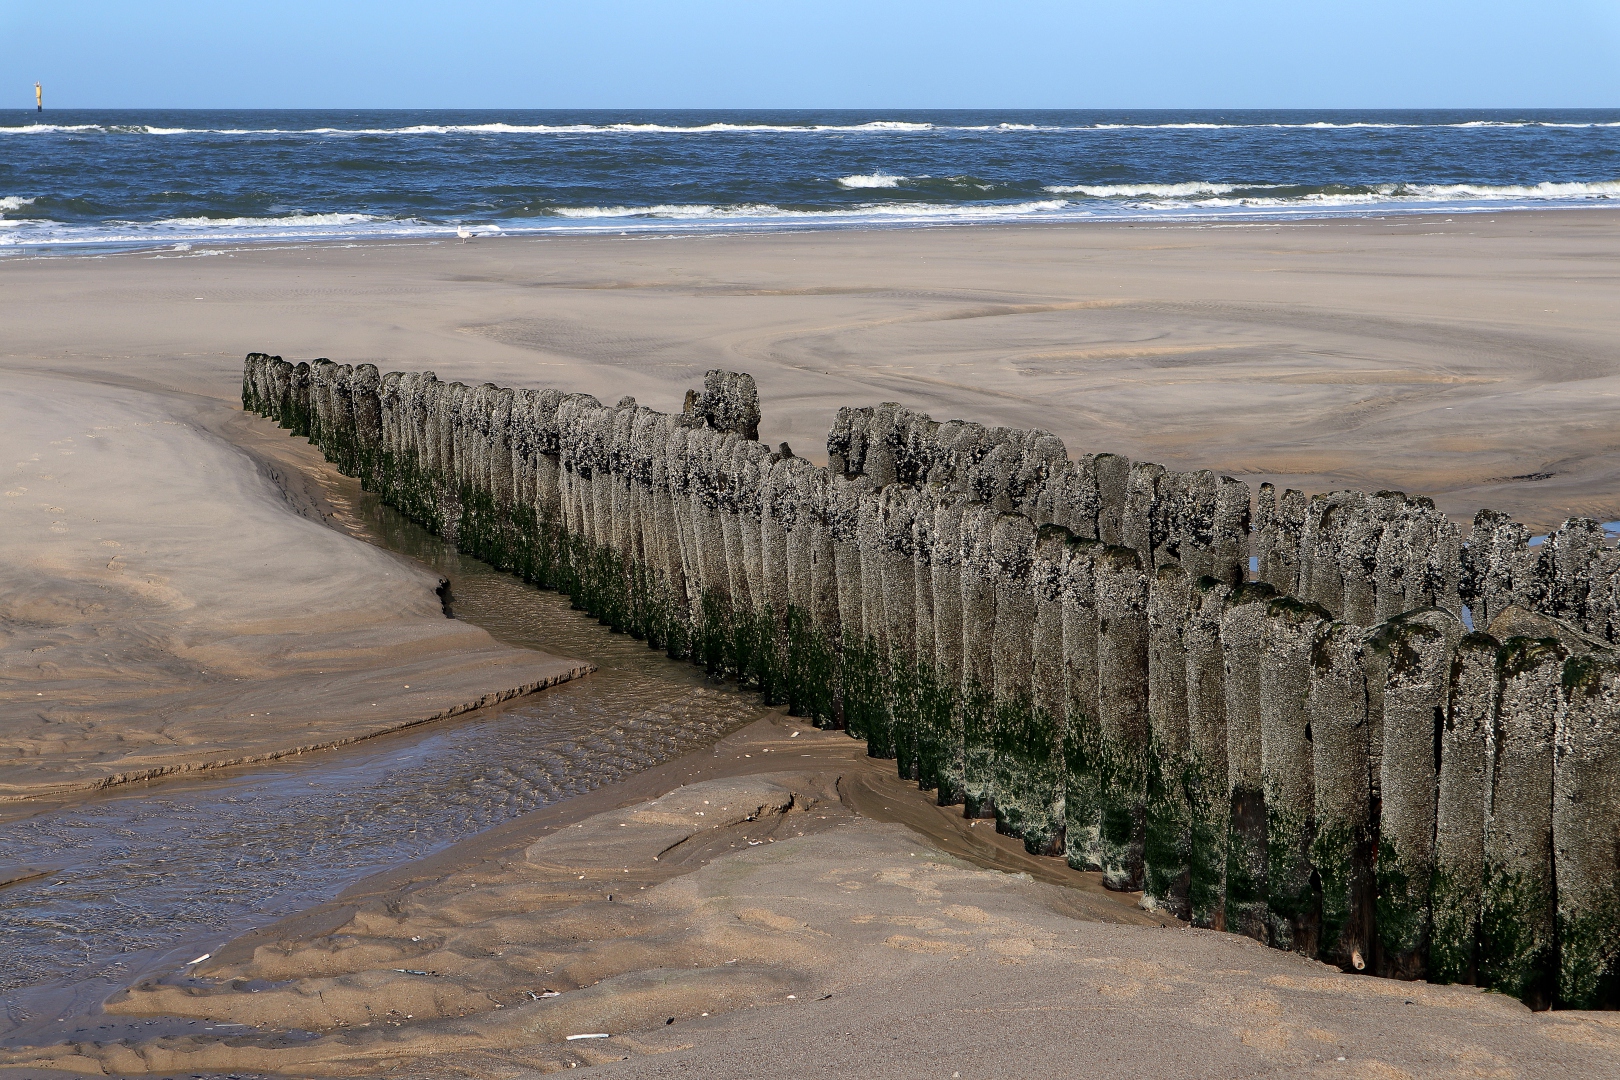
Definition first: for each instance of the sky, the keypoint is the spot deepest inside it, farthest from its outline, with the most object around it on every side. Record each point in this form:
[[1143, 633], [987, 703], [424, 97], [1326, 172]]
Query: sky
[[862, 54]]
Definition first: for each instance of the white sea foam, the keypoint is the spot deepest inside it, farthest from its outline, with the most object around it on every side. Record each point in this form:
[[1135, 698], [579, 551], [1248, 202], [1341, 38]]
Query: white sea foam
[[1162, 191], [287, 221], [1191, 200], [602, 129], [1216, 194], [1183, 127], [892, 125], [870, 127], [48, 129], [871, 180], [1301, 202], [1601, 189], [168, 232], [767, 211]]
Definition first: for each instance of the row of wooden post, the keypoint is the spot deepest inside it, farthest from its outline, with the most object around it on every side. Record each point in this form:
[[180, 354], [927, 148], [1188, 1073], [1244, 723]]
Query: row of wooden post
[[1263, 710]]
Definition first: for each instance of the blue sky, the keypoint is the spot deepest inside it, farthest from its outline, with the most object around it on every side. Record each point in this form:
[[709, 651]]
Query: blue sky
[[829, 54]]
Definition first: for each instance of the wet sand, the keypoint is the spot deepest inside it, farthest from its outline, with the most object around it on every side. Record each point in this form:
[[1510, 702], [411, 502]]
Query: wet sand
[[759, 916], [161, 609]]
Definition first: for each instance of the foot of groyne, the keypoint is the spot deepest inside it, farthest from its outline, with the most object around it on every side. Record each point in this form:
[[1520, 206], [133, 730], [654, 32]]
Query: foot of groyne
[[1388, 745]]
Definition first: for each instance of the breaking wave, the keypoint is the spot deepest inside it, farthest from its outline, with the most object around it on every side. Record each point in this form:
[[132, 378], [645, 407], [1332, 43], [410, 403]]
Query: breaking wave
[[163, 178], [1218, 194], [723, 128], [871, 180], [1160, 191]]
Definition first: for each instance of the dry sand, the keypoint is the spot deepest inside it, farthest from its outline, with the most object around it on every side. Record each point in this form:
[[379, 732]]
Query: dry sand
[[162, 609], [748, 923], [1440, 355], [1445, 356]]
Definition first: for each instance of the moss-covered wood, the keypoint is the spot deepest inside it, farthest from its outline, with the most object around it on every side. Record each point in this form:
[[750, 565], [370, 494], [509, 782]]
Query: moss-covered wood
[[1586, 836], [1459, 851], [1517, 945], [1289, 632], [1245, 885], [1418, 648], [1341, 850]]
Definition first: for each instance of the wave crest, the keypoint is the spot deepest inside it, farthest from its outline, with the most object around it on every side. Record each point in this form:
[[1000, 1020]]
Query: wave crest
[[1161, 191], [871, 180], [867, 211], [722, 127]]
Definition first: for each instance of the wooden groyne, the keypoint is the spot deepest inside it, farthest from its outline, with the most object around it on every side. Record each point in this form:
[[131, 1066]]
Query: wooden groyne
[[1331, 722]]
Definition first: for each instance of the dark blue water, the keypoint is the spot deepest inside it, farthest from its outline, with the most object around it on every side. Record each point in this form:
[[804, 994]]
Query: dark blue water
[[72, 180]]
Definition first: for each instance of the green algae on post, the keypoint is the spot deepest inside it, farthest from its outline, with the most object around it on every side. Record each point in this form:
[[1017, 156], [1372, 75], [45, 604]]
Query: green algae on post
[[1081, 806], [1459, 846], [1586, 839], [1167, 840], [1341, 850], [948, 593], [1012, 553], [978, 660], [1288, 631], [1045, 827], [1418, 648], [1517, 947], [1207, 805], [1245, 881], [1122, 746]]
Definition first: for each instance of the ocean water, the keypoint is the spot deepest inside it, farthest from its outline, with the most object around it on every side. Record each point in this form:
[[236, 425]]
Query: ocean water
[[85, 180]]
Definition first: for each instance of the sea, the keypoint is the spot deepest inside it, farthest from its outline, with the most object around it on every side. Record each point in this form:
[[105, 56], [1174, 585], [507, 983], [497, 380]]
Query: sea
[[94, 181]]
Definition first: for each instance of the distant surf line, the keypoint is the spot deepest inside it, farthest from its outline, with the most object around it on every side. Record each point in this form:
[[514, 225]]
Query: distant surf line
[[877, 127], [181, 234]]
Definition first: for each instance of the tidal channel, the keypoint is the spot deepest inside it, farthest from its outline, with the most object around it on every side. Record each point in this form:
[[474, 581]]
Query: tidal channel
[[146, 877]]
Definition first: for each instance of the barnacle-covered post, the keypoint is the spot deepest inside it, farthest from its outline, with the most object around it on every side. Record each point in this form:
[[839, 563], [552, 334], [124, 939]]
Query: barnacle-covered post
[[1208, 807], [1082, 732], [1167, 837], [1586, 832], [1121, 584], [978, 660], [1241, 626], [1286, 780], [1517, 922], [1464, 793], [1341, 850], [1044, 813], [949, 661], [1418, 647]]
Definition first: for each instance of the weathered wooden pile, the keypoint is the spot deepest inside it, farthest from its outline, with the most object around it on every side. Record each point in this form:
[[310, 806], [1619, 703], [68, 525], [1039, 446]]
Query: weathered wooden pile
[[1264, 711]]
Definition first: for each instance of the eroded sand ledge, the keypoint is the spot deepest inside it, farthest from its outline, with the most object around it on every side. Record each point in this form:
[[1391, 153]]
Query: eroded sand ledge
[[163, 611]]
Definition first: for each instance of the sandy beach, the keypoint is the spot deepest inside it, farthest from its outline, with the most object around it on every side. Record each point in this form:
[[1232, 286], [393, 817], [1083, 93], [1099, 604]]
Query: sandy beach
[[785, 907], [167, 608], [1468, 358], [178, 591]]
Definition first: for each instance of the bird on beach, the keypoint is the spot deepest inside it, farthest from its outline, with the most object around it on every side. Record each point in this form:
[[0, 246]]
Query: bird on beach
[[465, 233]]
